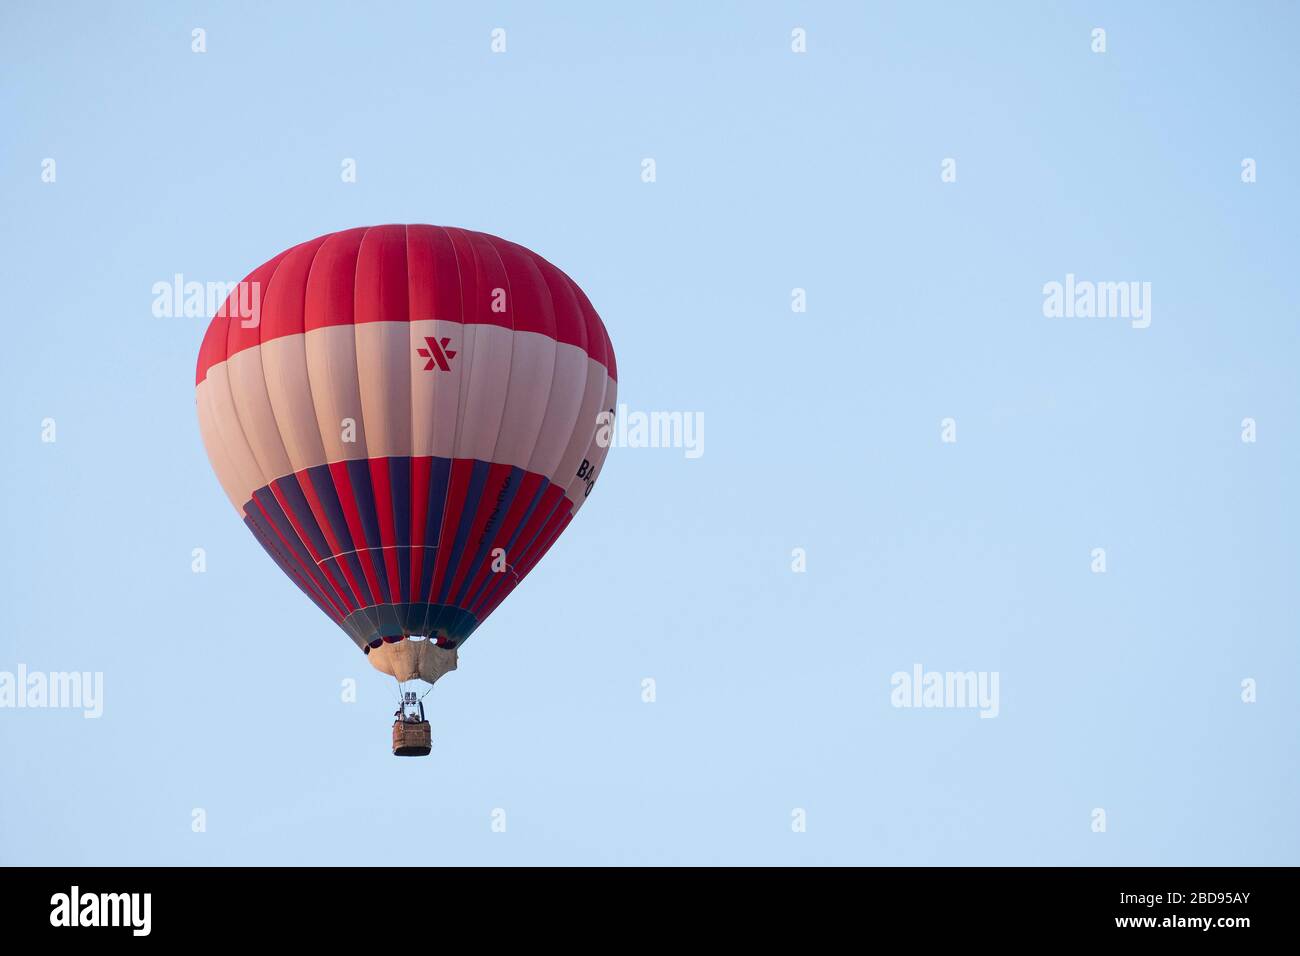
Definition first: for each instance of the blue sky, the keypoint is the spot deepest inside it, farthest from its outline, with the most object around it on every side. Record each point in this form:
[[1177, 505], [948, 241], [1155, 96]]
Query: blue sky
[[775, 171]]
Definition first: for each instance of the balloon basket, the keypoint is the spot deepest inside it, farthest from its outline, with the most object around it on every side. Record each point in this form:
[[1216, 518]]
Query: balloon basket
[[412, 738]]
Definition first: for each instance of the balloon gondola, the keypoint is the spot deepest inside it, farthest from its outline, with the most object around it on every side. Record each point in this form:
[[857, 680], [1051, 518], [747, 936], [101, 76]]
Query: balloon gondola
[[407, 418]]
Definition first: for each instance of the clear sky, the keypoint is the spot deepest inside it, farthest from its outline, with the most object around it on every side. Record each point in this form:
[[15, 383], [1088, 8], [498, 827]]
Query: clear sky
[[1119, 691]]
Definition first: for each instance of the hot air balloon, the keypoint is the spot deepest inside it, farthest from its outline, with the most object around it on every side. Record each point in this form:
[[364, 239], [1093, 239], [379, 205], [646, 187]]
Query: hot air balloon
[[406, 418]]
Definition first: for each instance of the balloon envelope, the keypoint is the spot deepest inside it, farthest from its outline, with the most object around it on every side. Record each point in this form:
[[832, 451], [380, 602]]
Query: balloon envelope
[[406, 418]]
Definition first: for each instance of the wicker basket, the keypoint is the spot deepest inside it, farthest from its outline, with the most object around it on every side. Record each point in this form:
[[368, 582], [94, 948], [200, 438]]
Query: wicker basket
[[412, 738]]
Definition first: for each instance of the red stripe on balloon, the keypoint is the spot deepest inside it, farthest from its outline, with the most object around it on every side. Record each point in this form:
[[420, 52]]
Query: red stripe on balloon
[[514, 579], [509, 524], [365, 275], [352, 515], [421, 468], [381, 483], [327, 529], [457, 491], [551, 497], [306, 570], [331, 283], [487, 503], [341, 595]]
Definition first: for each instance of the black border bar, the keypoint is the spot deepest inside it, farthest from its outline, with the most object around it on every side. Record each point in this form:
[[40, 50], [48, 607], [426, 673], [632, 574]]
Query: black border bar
[[925, 904]]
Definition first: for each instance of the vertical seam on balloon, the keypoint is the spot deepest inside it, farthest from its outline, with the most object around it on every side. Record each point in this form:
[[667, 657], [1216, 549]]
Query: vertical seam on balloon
[[363, 547], [243, 432], [261, 360], [608, 349], [358, 598], [465, 328], [451, 457], [365, 552], [550, 391], [564, 480], [514, 330], [505, 405], [588, 455], [526, 561], [414, 583], [261, 348], [320, 438], [261, 364], [220, 436], [386, 518], [521, 567], [449, 521], [404, 587], [474, 240], [305, 570], [555, 364]]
